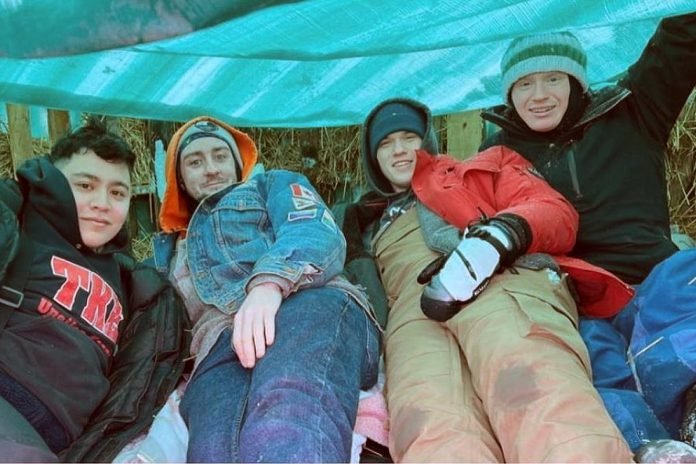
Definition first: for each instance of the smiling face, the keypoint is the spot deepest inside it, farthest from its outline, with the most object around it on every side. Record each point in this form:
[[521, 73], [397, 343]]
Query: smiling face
[[396, 155], [207, 166], [102, 195], [541, 99]]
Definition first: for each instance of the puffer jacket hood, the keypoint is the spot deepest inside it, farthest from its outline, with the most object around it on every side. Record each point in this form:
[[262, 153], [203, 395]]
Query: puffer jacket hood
[[375, 178], [175, 212]]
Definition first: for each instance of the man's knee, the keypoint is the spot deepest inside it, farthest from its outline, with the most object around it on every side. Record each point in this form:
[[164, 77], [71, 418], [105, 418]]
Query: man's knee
[[13, 451]]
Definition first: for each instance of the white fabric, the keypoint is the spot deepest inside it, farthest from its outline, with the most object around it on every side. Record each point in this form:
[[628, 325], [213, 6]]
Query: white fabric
[[166, 441]]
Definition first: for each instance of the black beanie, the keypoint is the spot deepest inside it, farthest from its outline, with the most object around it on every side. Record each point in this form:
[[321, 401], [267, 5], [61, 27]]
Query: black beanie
[[394, 117]]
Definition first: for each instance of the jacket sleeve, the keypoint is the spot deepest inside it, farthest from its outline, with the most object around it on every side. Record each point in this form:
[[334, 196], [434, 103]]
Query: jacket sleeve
[[11, 195], [361, 268], [309, 249], [664, 76], [10, 206], [145, 370], [520, 190]]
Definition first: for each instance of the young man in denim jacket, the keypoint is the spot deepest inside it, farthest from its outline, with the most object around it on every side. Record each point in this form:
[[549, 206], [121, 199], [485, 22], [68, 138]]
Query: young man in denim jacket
[[282, 345]]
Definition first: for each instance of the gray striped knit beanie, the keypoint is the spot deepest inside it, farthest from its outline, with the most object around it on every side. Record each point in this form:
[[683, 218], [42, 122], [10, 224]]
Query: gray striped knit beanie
[[560, 51]]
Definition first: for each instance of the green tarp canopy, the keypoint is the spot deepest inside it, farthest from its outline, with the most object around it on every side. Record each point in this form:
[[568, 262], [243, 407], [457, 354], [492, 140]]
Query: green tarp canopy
[[292, 63]]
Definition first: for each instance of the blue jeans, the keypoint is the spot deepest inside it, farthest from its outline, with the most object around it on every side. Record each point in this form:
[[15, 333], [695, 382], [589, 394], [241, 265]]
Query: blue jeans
[[607, 344], [658, 327], [299, 403]]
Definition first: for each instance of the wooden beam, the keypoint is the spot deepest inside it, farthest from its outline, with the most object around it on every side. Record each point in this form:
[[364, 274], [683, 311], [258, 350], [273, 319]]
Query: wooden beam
[[19, 133], [58, 124], [464, 133]]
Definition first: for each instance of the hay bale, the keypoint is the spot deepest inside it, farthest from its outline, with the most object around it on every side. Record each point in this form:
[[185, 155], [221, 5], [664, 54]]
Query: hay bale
[[141, 246], [327, 156], [137, 134], [40, 147], [681, 169], [5, 157]]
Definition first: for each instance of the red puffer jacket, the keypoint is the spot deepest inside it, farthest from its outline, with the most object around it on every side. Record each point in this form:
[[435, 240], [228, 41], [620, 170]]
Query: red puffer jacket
[[499, 180]]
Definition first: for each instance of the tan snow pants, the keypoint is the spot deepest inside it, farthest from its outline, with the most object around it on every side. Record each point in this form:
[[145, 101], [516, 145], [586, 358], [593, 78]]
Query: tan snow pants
[[506, 379]]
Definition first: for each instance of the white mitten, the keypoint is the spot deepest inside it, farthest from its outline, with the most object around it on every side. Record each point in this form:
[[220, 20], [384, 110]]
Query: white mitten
[[466, 272], [469, 268]]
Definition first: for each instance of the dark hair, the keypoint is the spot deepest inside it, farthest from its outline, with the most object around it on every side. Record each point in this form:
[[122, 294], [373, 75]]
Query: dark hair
[[93, 136]]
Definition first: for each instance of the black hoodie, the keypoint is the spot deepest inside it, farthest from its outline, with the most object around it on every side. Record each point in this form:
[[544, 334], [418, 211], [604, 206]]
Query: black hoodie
[[60, 342], [610, 163]]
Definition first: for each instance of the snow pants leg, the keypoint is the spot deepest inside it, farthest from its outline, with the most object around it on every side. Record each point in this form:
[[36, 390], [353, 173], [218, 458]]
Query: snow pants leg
[[615, 382], [506, 379], [532, 372]]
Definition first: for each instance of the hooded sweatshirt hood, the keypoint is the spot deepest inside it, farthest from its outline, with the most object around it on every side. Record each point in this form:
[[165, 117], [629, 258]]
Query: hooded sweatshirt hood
[[176, 212], [373, 173], [47, 187]]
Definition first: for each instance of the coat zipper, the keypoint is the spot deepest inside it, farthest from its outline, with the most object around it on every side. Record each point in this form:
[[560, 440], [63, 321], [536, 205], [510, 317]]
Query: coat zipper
[[572, 167]]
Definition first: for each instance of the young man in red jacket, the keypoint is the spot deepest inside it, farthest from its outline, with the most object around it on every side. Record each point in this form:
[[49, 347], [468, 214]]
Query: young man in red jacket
[[492, 367]]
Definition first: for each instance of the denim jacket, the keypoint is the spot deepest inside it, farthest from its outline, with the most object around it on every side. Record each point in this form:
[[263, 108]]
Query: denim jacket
[[273, 225]]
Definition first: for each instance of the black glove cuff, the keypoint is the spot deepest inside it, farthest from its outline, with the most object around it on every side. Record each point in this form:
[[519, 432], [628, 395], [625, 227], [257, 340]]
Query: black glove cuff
[[515, 227]]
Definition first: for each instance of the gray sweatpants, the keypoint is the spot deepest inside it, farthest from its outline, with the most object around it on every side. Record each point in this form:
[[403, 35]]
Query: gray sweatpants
[[19, 442]]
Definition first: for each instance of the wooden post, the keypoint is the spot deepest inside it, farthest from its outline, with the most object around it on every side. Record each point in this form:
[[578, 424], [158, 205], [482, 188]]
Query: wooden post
[[464, 133], [58, 124], [19, 133], [440, 126]]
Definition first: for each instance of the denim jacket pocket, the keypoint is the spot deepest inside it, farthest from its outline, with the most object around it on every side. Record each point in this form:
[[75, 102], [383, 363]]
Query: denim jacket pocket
[[240, 227], [238, 220]]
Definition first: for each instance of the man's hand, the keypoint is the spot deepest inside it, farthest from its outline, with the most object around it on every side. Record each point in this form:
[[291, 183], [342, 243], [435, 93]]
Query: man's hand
[[254, 323], [465, 273]]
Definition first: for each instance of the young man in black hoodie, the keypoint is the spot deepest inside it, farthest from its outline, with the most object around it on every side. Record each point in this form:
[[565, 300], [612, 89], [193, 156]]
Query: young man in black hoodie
[[66, 300]]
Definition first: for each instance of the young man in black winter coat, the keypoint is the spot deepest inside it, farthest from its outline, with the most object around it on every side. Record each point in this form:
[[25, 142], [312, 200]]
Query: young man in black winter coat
[[75, 347], [604, 151]]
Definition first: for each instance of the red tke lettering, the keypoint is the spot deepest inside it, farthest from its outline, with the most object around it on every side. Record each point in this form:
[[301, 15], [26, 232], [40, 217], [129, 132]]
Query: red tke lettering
[[76, 277], [100, 298]]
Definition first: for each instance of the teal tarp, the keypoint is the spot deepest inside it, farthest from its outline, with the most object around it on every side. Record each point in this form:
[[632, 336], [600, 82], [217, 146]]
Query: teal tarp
[[292, 64]]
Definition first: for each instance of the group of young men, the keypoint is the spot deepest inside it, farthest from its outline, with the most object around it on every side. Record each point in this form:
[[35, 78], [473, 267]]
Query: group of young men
[[502, 284]]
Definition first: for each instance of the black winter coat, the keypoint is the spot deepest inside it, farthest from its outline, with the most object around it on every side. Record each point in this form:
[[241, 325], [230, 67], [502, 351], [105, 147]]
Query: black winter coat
[[147, 366], [610, 165]]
